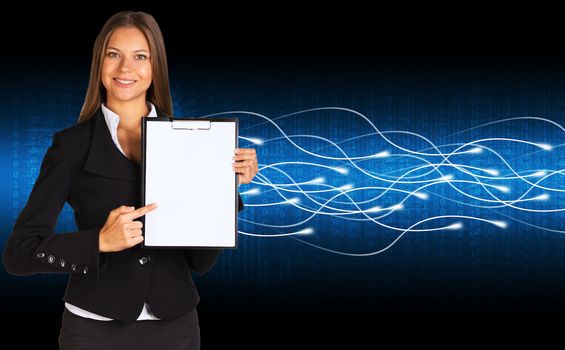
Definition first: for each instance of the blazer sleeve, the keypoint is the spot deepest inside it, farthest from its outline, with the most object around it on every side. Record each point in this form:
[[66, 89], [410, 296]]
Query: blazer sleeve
[[32, 246], [202, 260]]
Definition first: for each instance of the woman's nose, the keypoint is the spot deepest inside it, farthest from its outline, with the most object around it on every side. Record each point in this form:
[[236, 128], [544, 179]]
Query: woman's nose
[[125, 65]]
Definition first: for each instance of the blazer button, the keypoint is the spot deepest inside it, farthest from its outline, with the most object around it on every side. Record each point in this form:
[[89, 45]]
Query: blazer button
[[74, 267], [51, 259], [144, 260], [85, 270], [41, 255], [62, 262]]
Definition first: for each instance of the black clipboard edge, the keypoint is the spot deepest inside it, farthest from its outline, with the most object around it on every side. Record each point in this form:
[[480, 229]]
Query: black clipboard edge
[[143, 164]]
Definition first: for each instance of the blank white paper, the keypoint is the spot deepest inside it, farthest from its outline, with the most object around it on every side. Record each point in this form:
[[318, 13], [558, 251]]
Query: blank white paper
[[189, 175]]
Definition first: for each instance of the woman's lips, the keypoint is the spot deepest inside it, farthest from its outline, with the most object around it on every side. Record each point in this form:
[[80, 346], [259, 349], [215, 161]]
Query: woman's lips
[[124, 82]]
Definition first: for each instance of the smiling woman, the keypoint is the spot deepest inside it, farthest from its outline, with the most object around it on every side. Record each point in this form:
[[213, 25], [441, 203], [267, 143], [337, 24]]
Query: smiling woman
[[118, 295], [126, 69], [126, 76], [128, 38]]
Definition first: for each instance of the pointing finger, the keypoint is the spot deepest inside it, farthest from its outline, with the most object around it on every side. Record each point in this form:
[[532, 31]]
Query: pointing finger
[[140, 212]]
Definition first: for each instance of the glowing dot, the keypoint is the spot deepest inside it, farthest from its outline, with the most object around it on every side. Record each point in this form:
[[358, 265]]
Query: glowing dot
[[318, 180], [343, 171], [251, 191], [504, 189], [421, 195], [382, 154], [293, 200], [492, 172], [306, 231], [539, 174], [345, 187], [545, 146], [373, 210], [253, 140], [398, 206], [455, 226], [475, 150], [257, 141], [501, 224], [542, 197]]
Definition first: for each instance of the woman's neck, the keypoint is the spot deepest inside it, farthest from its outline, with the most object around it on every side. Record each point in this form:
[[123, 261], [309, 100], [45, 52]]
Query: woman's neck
[[130, 113]]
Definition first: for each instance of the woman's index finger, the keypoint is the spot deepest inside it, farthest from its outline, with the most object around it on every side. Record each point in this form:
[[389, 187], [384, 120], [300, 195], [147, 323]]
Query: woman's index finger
[[139, 212]]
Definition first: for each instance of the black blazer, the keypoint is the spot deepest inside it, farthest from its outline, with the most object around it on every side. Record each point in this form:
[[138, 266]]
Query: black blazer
[[84, 167]]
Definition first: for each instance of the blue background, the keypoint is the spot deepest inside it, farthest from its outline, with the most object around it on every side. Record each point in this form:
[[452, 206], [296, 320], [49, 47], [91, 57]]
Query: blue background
[[479, 270], [480, 261]]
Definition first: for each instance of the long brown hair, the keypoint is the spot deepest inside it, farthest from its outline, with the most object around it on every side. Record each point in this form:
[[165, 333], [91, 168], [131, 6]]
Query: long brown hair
[[159, 92]]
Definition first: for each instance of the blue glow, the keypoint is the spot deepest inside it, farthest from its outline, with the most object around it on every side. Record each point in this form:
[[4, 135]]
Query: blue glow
[[352, 208]]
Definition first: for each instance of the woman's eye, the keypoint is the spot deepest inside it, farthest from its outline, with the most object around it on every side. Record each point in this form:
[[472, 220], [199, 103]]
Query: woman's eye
[[140, 57], [113, 54]]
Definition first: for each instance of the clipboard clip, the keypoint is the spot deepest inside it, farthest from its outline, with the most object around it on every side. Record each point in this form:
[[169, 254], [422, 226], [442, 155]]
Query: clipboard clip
[[191, 124]]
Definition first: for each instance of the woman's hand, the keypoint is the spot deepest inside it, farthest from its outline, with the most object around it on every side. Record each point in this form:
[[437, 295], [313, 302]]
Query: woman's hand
[[120, 231], [245, 164]]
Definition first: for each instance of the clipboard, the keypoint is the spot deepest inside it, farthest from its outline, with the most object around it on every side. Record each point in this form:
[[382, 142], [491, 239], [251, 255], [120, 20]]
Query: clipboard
[[186, 169]]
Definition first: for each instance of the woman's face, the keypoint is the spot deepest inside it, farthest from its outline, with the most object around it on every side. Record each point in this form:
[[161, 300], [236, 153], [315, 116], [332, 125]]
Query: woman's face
[[126, 67]]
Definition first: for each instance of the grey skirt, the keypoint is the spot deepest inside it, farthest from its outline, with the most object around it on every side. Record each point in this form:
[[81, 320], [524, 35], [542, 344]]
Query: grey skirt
[[79, 333]]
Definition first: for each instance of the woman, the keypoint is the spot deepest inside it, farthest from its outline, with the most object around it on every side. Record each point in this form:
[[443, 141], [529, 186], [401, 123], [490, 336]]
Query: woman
[[118, 295]]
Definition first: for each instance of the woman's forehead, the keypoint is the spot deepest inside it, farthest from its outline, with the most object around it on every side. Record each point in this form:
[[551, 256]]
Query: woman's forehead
[[128, 39]]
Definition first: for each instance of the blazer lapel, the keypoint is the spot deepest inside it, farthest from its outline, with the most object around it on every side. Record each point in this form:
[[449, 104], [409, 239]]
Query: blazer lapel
[[104, 158]]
